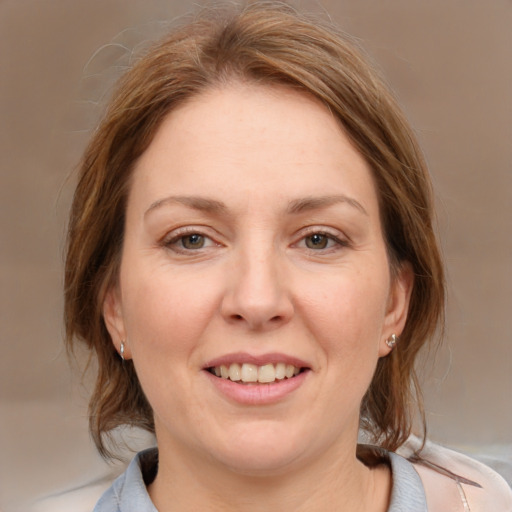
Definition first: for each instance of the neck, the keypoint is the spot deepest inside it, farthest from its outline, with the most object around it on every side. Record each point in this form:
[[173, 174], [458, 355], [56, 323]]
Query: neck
[[338, 481]]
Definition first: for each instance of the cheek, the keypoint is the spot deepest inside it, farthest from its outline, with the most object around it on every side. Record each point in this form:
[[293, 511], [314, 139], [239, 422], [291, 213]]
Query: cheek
[[346, 314], [166, 312], [166, 315]]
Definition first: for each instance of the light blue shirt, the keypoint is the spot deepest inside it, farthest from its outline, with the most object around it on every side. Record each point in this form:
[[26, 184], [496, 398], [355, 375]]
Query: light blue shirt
[[129, 494]]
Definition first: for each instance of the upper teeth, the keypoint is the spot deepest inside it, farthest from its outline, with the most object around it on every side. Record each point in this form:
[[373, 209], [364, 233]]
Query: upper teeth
[[252, 373]]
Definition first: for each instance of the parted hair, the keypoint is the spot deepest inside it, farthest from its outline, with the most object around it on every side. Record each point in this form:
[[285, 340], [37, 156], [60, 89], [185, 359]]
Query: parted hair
[[263, 43]]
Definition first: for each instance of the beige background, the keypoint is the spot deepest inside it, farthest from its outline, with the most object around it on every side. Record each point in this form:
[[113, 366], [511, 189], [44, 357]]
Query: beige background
[[451, 64]]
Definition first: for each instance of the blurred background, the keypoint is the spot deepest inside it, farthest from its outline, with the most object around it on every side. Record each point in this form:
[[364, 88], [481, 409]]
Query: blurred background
[[450, 63]]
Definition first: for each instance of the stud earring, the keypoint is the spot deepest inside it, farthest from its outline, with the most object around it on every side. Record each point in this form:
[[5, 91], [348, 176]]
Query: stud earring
[[121, 350], [391, 341]]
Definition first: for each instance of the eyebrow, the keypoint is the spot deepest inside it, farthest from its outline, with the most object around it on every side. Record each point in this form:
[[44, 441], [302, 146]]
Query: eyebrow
[[317, 203], [295, 206], [197, 203]]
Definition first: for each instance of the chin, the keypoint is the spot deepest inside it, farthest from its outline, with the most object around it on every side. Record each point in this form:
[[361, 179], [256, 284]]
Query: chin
[[258, 464], [261, 451]]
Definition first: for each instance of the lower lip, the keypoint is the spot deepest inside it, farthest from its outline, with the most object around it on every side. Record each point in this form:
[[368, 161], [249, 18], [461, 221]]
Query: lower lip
[[257, 394]]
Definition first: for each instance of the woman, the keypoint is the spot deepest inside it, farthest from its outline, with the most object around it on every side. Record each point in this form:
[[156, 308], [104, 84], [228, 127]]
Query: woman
[[251, 258]]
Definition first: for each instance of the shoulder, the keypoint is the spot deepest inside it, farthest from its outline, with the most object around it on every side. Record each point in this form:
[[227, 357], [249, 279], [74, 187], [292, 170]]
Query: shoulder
[[81, 499], [111, 493], [454, 481], [128, 492]]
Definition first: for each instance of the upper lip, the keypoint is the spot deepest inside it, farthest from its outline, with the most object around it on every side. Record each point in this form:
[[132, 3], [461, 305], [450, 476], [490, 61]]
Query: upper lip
[[258, 360]]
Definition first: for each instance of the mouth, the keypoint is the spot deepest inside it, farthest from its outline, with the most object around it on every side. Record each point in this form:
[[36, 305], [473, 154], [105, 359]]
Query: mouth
[[249, 373], [257, 380]]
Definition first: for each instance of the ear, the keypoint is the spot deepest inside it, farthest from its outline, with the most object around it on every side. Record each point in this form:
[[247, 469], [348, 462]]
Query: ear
[[114, 321], [398, 305]]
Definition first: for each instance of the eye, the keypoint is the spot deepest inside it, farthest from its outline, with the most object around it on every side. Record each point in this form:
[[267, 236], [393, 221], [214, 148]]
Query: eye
[[317, 241], [322, 241], [188, 241], [193, 241]]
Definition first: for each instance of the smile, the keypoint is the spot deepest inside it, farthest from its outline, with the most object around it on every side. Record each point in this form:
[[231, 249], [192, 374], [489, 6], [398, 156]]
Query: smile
[[247, 373]]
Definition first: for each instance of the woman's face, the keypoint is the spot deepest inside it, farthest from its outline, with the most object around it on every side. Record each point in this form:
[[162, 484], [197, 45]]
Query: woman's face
[[253, 251]]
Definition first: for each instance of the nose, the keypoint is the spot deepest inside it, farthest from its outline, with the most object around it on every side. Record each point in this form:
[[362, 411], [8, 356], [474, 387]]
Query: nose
[[257, 296]]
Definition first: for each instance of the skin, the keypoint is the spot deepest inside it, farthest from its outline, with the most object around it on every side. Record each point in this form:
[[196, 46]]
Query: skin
[[271, 160]]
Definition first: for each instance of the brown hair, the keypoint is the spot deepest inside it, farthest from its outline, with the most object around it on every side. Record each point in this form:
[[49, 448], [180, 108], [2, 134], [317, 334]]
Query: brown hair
[[262, 43]]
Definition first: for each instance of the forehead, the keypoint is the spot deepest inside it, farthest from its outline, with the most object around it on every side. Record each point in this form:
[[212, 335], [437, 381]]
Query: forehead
[[257, 141]]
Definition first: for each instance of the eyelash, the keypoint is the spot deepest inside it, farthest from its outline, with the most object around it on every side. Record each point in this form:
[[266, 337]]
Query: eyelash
[[172, 242], [339, 243]]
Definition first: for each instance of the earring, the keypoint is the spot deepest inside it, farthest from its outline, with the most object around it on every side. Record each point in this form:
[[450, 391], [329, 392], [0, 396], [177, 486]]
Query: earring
[[391, 341], [121, 350]]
